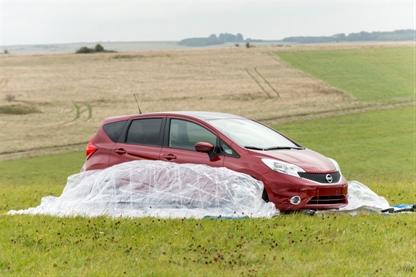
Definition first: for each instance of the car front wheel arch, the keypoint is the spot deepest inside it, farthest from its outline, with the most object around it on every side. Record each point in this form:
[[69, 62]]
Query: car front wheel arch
[[264, 195]]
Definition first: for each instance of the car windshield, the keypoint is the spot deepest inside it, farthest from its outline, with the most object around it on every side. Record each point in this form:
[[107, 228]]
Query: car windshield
[[252, 135]]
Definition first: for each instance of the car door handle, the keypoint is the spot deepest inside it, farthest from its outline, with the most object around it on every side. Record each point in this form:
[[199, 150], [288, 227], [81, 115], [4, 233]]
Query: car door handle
[[120, 151], [169, 157]]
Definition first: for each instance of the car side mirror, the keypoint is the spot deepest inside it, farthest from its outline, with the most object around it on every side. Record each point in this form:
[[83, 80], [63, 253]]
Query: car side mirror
[[206, 147]]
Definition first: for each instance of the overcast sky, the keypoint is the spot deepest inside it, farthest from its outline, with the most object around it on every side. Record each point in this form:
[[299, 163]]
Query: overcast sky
[[66, 21]]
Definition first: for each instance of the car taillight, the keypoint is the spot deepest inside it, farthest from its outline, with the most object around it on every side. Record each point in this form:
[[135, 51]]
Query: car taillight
[[91, 148]]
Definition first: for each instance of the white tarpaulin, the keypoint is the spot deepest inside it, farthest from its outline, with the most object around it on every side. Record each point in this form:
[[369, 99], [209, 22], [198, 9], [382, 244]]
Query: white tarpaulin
[[161, 189]]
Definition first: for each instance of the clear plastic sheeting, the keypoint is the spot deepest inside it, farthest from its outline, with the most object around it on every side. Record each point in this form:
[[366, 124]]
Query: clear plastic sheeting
[[360, 195], [360, 199], [159, 189]]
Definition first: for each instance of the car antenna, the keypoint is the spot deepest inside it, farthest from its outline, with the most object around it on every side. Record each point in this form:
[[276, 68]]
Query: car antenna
[[137, 103]]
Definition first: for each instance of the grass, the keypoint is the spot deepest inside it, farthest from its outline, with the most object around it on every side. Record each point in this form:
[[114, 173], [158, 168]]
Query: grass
[[288, 245], [18, 109], [377, 74], [25, 181], [34, 171], [295, 244]]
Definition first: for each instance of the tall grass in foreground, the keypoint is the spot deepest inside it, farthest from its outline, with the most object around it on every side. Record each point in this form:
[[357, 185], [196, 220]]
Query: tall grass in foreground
[[296, 244]]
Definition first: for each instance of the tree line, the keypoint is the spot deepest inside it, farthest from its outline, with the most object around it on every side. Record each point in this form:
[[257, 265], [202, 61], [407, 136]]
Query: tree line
[[398, 35], [212, 40]]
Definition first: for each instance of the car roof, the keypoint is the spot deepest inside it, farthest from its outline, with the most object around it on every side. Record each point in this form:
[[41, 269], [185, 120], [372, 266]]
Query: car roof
[[202, 115], [207, 115]]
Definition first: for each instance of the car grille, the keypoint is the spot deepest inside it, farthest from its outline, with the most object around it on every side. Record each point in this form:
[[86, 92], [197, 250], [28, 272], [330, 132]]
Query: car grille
[[321, 177], [332, 199]]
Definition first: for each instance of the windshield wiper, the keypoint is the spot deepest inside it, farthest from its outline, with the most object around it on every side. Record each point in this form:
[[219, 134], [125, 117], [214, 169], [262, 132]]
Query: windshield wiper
[[254, 148], [273, 148], [283, 148]]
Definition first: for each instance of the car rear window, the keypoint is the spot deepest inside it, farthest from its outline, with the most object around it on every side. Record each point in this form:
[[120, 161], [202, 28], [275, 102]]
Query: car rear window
[[113, 130]]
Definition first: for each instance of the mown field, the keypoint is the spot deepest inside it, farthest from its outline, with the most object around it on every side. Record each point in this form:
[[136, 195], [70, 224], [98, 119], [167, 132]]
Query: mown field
[[375, 147], [375, 74]]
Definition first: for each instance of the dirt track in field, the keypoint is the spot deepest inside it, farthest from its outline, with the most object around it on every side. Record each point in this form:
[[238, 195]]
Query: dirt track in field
[[74, 93]]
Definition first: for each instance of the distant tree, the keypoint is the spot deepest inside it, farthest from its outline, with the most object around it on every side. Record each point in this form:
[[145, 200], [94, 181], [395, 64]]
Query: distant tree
[[212, 40], [339, 37], [84, 50], [248, 44], [227, 37], [99, 48]]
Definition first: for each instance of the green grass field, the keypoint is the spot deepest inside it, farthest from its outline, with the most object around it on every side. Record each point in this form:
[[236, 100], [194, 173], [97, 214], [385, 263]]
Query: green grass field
[[378, 74], [370, 147]]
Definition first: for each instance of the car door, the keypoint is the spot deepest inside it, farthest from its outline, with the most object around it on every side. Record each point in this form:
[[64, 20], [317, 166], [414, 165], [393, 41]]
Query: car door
[[142, 140], [179, 144]]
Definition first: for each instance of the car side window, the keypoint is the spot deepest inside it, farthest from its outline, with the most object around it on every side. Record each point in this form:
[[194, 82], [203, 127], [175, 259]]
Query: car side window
[[113, 130], [184, 134], [226, 150], [144, 131]]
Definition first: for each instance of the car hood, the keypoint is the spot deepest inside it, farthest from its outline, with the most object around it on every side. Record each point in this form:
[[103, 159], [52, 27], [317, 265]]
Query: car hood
[[309, 160]]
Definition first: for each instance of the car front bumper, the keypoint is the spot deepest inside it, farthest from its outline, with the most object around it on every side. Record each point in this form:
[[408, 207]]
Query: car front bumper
[[294, 193]]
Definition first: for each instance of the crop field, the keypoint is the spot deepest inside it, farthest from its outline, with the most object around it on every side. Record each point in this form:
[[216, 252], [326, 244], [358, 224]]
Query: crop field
[[66, 96], [53, 103]]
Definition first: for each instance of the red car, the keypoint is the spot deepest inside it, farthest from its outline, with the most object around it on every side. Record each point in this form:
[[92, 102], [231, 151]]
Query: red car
[[294, 177]]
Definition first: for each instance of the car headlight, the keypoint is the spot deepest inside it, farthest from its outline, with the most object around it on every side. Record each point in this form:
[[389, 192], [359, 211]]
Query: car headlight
[[336, 165], [282, 167]]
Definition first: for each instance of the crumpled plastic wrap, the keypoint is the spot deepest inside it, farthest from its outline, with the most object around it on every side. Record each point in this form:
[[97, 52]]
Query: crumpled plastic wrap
[[360, 195], [158, 189], [360, 199]]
